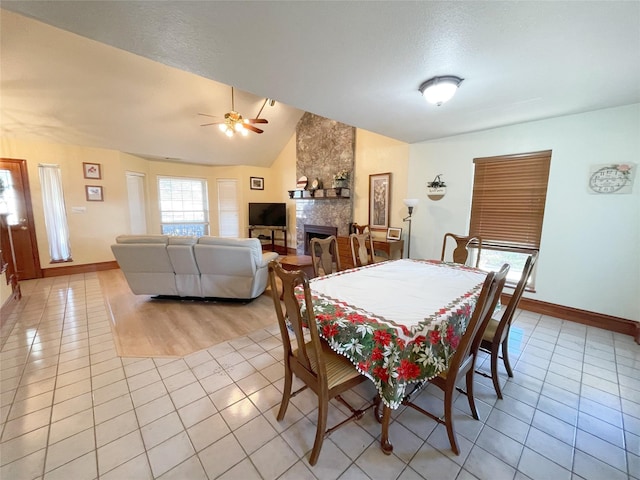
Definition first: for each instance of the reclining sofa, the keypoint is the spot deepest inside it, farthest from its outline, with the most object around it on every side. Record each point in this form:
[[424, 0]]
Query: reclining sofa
[[193, 266]]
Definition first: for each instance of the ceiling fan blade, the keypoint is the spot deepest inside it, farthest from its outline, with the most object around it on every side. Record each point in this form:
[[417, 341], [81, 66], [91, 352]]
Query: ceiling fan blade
[[212, 123], [257, 120], [252, 128], [207, 115]]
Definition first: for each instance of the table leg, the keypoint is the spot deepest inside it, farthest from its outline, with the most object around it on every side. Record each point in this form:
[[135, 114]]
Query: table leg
[[385, 444]]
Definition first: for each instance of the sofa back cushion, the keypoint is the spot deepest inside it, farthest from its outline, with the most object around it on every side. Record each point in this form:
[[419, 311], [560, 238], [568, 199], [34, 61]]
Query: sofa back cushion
[[145, 262], [163, 239], [183, 259], [252, 244]]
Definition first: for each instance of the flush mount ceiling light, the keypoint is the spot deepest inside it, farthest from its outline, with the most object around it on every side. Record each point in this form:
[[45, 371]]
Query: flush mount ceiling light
[[438, 90]]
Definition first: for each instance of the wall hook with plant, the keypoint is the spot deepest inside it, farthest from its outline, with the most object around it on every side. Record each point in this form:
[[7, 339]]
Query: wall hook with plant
[[437, 188]]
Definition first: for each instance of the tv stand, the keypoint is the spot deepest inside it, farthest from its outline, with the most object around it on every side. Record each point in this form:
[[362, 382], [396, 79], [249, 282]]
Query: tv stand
[[269, 243]]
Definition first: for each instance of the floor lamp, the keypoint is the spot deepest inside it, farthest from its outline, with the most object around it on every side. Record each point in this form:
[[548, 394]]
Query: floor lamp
[[410, 203]]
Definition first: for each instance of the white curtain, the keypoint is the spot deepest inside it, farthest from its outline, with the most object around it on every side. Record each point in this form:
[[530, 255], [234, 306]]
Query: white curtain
[[55, 215]]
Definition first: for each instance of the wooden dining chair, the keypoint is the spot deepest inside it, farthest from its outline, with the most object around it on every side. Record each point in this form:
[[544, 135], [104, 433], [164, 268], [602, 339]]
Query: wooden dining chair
[[325, 256], [361, 249], [460, 252], [361, 228], [462, 363], [322, 370], [496, 334]]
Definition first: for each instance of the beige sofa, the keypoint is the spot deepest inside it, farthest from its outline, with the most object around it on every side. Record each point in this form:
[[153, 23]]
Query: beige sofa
[[193, 266]]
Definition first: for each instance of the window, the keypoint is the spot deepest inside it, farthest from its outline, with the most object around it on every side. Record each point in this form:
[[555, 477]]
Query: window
[[228, 215], [507, 210], [183, 206], [55, 215]]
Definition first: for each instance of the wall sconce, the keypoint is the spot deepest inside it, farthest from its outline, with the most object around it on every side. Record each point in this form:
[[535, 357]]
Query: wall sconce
[[437, 188], [410, 203], [438, 90]]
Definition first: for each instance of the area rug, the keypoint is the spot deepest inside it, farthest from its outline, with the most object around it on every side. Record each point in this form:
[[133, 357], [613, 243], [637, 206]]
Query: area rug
[[147, 326]]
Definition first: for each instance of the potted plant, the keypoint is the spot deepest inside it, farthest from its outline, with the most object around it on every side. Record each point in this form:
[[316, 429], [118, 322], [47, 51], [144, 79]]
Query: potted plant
[[341, 179], [437, 188]]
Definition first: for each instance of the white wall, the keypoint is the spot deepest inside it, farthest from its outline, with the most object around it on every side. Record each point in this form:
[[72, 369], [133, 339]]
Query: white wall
[[589, 252]]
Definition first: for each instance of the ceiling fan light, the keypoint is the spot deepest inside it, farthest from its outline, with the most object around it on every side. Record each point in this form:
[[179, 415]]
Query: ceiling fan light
[[438, 90], [222, 127], [244, 132], [229, 132], [238, 127]]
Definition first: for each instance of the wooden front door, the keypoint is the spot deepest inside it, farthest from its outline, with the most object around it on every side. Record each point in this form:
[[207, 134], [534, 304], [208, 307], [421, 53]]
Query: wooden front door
[[16, 200]]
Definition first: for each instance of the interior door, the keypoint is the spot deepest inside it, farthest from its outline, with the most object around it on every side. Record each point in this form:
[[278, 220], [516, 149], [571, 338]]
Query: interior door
[[16, 201]]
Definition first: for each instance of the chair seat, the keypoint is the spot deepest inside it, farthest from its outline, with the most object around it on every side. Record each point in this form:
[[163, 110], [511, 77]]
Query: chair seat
[[339, 369]]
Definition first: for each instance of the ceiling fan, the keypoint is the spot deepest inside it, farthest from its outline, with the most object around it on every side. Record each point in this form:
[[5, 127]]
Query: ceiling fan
[[234, 122]]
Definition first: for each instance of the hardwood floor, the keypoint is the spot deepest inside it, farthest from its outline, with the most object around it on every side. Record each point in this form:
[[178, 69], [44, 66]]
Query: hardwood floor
[[144, 326]]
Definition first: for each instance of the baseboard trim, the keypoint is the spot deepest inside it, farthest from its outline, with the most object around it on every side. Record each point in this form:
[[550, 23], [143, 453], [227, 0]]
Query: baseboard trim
[[75, 269], [593, 319]]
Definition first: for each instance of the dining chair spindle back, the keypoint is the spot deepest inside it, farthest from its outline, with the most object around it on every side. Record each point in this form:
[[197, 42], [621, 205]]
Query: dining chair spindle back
[[462, 363], [324, 255], [322, 370], [463, 243], [496, 335], [361, 228], [361, 249]]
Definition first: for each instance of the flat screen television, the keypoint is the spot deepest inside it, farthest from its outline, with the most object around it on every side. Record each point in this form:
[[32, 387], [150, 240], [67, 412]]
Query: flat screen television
[[268, 214]]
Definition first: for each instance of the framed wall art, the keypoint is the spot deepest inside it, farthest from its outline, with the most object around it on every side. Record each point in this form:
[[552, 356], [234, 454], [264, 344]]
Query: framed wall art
[[94, 193], [92, 170], [256, 183], [379, 200]]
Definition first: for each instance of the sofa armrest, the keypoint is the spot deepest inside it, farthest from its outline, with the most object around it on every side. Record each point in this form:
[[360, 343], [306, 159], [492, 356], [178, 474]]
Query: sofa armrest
[[267, 257]]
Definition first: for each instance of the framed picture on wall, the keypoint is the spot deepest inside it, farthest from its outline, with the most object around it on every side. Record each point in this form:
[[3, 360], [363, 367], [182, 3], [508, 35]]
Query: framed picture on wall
[[379, 200], [94, 193], [256, 183], [92, 170]]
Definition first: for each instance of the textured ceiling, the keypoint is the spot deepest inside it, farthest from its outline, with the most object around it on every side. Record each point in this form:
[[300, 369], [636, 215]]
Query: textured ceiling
[[359, 63]]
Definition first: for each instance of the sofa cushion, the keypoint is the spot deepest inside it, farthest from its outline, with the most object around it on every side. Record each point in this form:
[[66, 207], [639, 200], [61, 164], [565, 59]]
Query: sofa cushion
[[142, 239], [253, 244], [186, 240]]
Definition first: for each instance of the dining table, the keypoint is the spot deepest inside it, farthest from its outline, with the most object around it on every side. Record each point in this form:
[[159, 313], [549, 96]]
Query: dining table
[[399, 321]]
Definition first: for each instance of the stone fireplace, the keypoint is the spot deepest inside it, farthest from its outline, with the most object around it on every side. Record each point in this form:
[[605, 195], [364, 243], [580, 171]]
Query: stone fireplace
[[324, 147], [316, 231]]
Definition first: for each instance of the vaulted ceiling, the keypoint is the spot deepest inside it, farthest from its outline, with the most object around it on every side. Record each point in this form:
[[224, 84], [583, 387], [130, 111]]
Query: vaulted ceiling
[[133, 76]]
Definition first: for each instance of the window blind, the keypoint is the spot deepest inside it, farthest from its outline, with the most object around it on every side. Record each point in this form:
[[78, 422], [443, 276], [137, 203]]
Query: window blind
[[509, 195]]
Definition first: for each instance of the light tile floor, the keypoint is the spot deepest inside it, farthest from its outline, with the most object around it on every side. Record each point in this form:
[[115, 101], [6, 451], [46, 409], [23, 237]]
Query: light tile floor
[[70, 408]]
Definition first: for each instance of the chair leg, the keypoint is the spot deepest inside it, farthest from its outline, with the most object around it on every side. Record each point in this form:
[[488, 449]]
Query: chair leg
[[448, 419], [470, 398], [323, 408], [494, 370], [286, 394], [505, 356]]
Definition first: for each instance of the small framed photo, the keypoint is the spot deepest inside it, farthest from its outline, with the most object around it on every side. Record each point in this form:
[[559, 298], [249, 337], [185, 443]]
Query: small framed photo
[[394, 233], [257, 183], [92, 170], [94, 193]]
